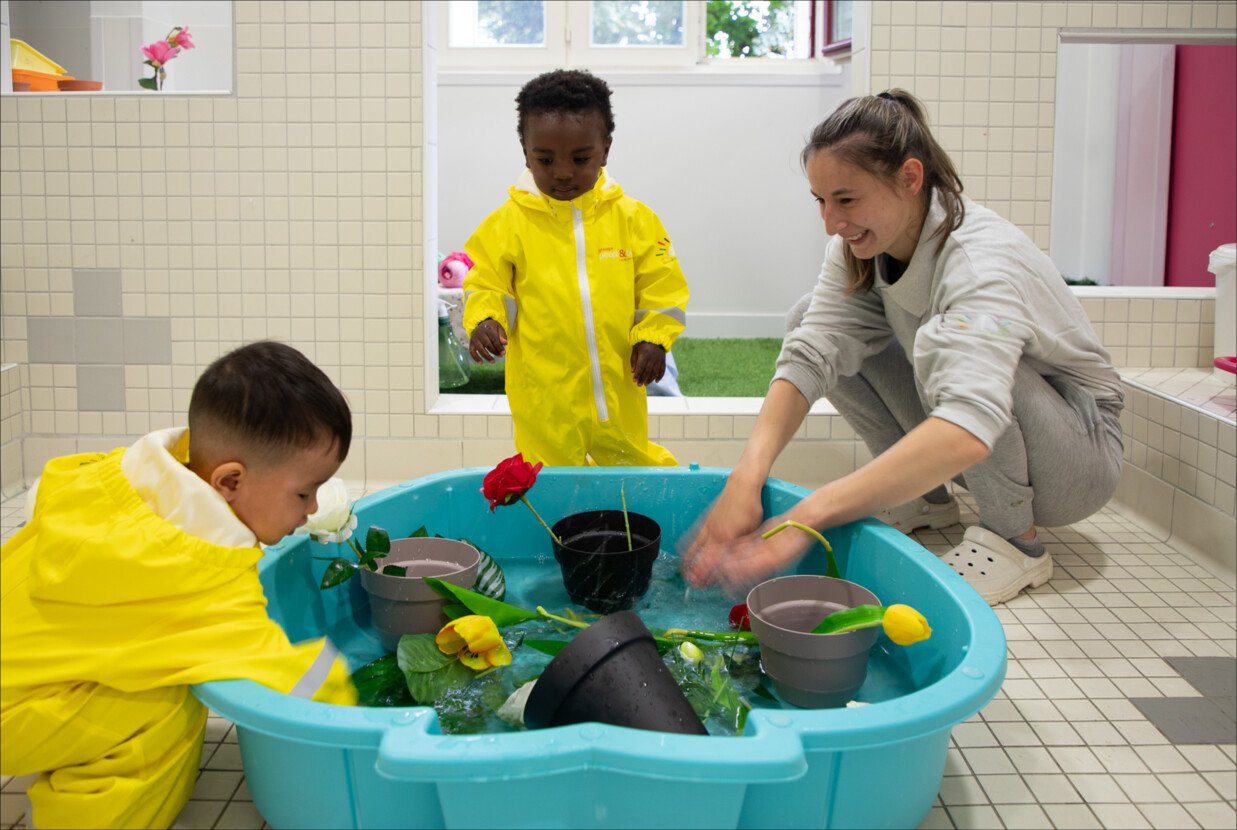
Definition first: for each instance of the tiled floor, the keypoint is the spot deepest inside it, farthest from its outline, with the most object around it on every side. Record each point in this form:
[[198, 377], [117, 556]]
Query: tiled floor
[[1062, 745]]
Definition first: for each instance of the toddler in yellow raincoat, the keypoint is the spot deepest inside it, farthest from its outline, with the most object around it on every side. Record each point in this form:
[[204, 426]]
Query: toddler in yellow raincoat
[[136, 576], [591, 276]]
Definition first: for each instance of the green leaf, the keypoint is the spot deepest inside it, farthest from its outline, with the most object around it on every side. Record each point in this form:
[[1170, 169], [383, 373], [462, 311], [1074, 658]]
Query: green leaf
[[454, 610], [147, 83], [381, 683], [337, 573], [419, 533], [500, 612], [377, 542], [418, 653], [428, 686], [395, 570], [491, 581], [550, 647], [851, 619]]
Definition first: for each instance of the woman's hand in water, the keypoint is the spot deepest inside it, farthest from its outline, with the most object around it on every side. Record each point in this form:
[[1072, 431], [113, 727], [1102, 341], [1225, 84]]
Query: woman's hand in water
[[487, 341], [648, 363], [741, 563], [735, 514]]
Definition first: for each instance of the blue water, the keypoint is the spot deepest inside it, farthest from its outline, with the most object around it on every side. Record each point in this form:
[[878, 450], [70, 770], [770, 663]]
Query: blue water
[[669, 603]]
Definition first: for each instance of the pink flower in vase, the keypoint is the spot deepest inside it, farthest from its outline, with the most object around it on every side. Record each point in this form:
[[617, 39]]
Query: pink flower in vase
[[180, 37], [160, 52]]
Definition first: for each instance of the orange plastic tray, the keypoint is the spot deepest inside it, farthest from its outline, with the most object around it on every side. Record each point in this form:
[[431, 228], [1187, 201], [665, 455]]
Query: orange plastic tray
[[40, 81]]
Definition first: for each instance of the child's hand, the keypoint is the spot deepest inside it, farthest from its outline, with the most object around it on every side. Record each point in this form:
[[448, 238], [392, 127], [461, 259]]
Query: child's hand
[[488, 341], [648, 363]]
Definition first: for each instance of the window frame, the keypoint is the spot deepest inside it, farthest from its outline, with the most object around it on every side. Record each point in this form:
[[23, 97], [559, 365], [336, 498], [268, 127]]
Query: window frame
[[572, 19], [581, 52], [552, 53], [830, 48]]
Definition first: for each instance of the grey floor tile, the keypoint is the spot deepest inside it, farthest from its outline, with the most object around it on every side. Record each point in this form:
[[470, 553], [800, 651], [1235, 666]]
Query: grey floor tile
[[1212, 676], [1188, 720]]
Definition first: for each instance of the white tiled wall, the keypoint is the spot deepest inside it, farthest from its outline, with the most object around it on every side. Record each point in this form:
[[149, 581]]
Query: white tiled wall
[[295, 209], [1144, 332], [13, 411]]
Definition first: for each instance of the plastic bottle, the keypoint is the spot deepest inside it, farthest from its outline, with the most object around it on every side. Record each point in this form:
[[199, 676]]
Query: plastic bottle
[[1223, 263], [453, 364]]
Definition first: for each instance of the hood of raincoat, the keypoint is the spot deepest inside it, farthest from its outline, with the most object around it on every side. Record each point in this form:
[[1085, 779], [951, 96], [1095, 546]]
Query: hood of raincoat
[[99, 588], [190, 540], [525, 193]]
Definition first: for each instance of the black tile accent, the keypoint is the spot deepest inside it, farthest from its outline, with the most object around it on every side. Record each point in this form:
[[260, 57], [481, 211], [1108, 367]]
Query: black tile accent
[[1210, 719], [1188, 720], [1212, 676]]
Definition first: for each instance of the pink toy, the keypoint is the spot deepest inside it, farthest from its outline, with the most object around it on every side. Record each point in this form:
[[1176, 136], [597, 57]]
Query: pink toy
[[452, 269]]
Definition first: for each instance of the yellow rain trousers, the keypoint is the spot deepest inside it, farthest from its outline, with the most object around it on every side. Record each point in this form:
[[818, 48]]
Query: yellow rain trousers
[[587, 279], [108, 613]]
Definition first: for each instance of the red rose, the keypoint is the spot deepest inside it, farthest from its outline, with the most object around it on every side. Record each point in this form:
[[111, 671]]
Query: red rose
[[509, 481], [738, 618]]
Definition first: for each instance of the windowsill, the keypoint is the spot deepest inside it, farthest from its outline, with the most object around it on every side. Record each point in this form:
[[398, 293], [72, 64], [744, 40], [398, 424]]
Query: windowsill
[[801, 73], [837, 51], [448, 404], [113, 93]]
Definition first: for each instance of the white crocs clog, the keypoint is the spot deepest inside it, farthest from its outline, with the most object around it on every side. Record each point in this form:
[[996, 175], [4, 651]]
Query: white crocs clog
[[994, 568], [919, 513]]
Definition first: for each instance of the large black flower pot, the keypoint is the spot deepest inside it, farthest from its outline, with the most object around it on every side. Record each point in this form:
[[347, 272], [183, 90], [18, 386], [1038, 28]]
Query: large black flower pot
[[611, 673], [599, 571]]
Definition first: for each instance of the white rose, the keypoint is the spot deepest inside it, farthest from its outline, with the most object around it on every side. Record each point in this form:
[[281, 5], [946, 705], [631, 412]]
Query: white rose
[[333, 521], [691, 652]]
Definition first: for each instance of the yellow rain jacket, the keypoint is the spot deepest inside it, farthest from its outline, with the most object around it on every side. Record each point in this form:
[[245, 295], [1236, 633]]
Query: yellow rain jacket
[[132, 579], [587, 279]]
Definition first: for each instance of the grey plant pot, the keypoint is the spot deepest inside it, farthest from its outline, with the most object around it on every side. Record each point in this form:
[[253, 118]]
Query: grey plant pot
[[405, 604], [813, 671]]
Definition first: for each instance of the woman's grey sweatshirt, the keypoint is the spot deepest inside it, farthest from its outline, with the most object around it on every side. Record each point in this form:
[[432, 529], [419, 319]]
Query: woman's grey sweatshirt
[[966, 314]]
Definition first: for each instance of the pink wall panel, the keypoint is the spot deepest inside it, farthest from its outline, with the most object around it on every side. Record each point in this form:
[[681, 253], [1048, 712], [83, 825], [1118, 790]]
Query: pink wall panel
[[1202, 203]]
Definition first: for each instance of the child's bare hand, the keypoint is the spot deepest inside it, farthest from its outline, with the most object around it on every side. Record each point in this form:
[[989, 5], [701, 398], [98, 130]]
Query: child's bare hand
[[648, 363], [487, 341]]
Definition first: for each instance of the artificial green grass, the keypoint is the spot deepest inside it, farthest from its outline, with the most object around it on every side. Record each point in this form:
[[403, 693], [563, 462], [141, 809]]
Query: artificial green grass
[[726, 367], [709, 367]]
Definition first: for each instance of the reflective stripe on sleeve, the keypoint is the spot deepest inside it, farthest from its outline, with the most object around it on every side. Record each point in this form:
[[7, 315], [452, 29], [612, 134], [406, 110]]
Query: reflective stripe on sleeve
[[315, 675], [674, 313]]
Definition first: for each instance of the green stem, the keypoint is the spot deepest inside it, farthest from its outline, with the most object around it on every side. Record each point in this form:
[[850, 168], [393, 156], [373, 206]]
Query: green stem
[[538, 515], [626, 521], [557, 618], [710, 636], [831, 565]]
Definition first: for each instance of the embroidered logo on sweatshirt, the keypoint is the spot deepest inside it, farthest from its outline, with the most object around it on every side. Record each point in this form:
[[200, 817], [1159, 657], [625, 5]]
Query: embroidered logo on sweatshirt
[[982, 324]]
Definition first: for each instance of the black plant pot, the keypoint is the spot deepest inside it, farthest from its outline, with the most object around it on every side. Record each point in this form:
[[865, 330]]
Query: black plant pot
[[611, 673], [599, 571]]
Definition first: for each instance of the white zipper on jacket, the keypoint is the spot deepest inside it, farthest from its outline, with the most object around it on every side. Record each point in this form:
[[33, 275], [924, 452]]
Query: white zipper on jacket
[[586, 300]]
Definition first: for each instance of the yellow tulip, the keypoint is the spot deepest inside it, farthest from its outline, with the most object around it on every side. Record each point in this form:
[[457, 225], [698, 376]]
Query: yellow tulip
[[475, 640], [904, 625]]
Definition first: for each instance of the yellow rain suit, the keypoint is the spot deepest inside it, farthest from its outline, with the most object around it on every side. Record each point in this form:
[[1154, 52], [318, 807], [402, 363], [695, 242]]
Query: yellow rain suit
[[109, 610], [587, 279]]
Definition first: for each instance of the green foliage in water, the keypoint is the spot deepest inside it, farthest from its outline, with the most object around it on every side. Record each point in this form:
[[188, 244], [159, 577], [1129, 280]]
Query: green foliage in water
[[382, 683], [718, 684]]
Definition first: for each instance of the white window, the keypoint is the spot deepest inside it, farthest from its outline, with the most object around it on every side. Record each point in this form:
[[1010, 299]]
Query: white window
[[502, 34]]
